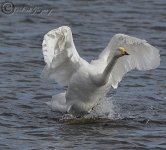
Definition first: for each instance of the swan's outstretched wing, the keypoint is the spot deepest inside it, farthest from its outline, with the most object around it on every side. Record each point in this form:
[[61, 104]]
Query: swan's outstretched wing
[[143, 56], [60, 55]]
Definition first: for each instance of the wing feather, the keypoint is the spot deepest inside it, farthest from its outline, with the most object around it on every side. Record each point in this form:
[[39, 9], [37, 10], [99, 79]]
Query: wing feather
[[143, 56], [61, 57]]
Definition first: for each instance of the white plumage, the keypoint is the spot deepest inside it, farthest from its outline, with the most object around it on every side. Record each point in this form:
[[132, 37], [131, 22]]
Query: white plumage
[[88, 83]]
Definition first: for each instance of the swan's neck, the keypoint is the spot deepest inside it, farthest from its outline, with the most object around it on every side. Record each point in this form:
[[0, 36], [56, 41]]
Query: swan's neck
[[106, 73]]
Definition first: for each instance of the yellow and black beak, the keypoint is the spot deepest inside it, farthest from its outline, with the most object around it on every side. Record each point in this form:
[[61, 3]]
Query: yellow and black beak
[[123, 51]]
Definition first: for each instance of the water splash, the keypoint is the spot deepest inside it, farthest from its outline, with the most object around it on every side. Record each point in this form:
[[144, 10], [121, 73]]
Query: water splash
[[104, 110]]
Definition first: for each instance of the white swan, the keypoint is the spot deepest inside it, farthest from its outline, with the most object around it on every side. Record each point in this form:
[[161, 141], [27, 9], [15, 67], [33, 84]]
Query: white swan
[[88, 83]]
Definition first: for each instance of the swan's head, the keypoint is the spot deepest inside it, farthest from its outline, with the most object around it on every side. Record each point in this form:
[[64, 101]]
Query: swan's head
[[121, 51]]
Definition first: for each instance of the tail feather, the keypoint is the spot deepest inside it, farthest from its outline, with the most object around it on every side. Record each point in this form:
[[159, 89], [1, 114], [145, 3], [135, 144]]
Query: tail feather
[[58, 103]]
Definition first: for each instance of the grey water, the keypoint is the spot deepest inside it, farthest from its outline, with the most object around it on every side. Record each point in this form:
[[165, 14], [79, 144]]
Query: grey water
[[26, 123]]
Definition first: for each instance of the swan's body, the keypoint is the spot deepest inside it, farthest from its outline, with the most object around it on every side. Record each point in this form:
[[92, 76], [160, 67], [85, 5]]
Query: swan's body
[[88, 83]]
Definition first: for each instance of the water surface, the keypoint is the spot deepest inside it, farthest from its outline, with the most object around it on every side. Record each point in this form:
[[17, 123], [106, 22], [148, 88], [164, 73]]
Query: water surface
[[26, 123]]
